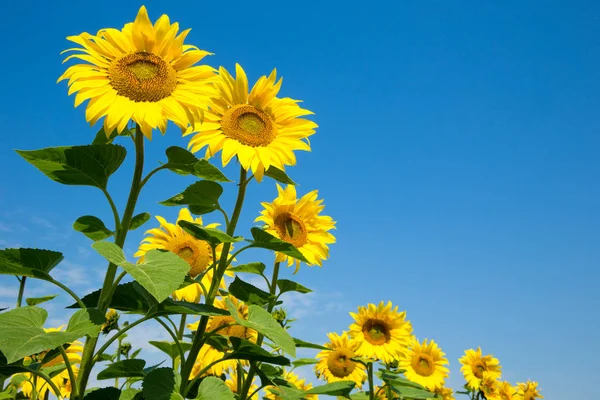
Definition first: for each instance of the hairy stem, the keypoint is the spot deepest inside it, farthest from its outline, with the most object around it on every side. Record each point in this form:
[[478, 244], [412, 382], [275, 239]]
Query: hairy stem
[[21, 291], [371, 386], [65, 357]]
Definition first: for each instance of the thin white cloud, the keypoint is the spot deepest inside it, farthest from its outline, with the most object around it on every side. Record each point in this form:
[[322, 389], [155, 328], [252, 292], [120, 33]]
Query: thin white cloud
[[5, 228], [42, 222]]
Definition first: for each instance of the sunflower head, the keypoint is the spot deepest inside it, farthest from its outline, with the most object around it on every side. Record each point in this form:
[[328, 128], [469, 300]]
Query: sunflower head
[[293, 380], [382, 332], [336, 363], [299, 222], [506, 391], [474, 364], [232, 383], [208, 355], [490, 386], [143, 73], [259, 128], [424, 364], [227, 326], [444, 393], [528, 391]]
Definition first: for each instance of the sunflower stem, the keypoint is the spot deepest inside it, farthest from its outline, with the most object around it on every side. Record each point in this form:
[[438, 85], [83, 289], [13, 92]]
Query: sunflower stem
[[21, 291], [199, 339], [181, 327], [87, 359], [371, 386], [65, 357]]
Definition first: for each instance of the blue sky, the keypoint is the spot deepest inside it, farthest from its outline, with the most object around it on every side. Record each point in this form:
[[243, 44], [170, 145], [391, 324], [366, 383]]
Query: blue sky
[[457, 150]]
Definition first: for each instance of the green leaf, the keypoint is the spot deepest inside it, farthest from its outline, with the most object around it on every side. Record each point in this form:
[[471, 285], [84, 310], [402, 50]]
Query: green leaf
[[287, 392], [34, 301], [170, 348], [394, 380], [304, 361], [412, 393], [265, 240], [248, 293], [102, 138], [123, 369], [139, 220], [245, 350], [279, 175], [77, 165], [107, 393], [213, 388], [307, 345], [130, 394], [131, 297], [183, 162], [291, 286], [212, 235], [92, 227], [341, 388], [263, 322], [203, 194], [162, 384], [170, 306], [269, 374], [34, 263], [160, 274], [22, 333], [252, 268]]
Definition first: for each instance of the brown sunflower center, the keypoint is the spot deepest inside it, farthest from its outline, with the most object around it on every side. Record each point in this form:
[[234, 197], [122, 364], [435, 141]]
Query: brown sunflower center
[[478, 369], [142, 76], [291, 229], [339, 363], [248, 125], [232, 330], [376, 332], [423, 364], [196, 252]]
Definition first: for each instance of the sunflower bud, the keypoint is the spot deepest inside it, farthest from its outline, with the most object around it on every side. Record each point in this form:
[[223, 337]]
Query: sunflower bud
[[280, 315], [112, 321], [125, 348]]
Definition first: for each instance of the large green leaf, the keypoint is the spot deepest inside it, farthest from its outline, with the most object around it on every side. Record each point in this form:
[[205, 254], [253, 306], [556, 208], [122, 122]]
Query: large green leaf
[[212, 235], [286, 285], [92, 227], [287, 392], [107, 393], [202, 194], [123, 369], [89, 165], [170, 348], [213, 388], [162, 384], [265, 240], [245, 350], [248, 293], [34, 301], [183, 162], [170, 307], [160, 274], [263, 322], [279, 175], [252, 268], [22, 333], [412, 393], [35, 263], [299, 362], [130, 394], [308, 345], [342, 388]]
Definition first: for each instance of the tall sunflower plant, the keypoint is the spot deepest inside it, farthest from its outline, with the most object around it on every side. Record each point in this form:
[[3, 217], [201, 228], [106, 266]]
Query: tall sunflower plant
[[229, 339]]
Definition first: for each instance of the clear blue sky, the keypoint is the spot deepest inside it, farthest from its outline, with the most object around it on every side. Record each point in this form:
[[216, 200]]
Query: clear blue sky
[[457, 149]]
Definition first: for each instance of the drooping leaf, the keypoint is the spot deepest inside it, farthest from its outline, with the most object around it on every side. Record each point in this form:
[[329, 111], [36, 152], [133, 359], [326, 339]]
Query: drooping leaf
[[248, 293], [183, 162], [34, 263], [245, 350], [107, 393], [103, 138], [269, 374], [265, 240], [123, 369], [131, 297], [307, 345], [34, 301], [139, 220], [22, 333], [213, 388], [252, 268], [286, 285], [279, 175], [412, 393], [200, 194], [341, 388], [92, 227], [162, 384], [160, 273], [170, 306], [263, 322], [130, 394], [304, 361], [395, 380], [212, 235], [287, 392], [170, 348], [89, 165]]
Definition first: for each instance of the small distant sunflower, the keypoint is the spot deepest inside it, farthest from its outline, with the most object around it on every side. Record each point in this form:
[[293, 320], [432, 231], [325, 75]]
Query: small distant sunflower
[[382, 332], [490, 386], [424, 364], [294, 381], [297, 221], [474, 364], [172, 237], [444, 393], [336, 365], [528, 391], [506, 391], [143, 73], [232, 383], [380, 393], [259, 128], [236, 330]]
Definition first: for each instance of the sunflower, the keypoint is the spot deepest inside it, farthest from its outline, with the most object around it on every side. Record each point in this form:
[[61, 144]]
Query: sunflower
[[444, 393], [474, 364], [298, 222], [172, 237], [208, 355], [260, 129], [528, 391], [424, 364], [232, 383], [111, 321], [294, 381], [336, 365], [382, 332], [143, 73], [220, 322], [380, 393], [506, 391], [490, 386]]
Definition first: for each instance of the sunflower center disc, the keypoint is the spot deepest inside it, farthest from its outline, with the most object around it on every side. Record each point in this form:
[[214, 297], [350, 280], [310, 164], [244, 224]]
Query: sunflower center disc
[[339, 362], [196, 252], [186, 252], [291, 229], [423, 365], [248, 125], [142, 77], [376, 332], [479, 369]]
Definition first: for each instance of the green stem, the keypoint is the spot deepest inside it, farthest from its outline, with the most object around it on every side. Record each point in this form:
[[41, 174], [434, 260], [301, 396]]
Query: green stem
[[224, 216], [69, 291], [119, 342], [87, 359], [271, 305], [174, 336], [388, 388], [65, 357], [181, 327], [198, 341], [44, 377], [119, 333], [21, 291], [371, 386], [113, 207], [155, 170]]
